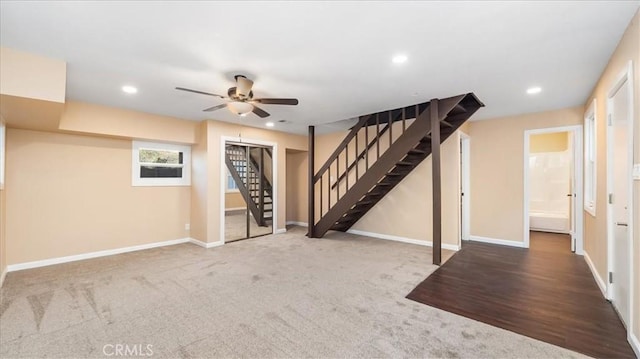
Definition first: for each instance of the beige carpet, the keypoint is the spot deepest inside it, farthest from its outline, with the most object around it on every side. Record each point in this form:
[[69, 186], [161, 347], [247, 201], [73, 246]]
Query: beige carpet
[[235, 226], [282, 296]]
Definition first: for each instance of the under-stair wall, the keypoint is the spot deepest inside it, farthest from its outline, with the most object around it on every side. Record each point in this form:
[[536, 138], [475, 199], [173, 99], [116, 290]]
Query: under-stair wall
[[376, 155], [405, 213]]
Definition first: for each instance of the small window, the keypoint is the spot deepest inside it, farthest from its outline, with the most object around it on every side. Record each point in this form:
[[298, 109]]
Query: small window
[[160, 164], [231, 183], [590, 125]]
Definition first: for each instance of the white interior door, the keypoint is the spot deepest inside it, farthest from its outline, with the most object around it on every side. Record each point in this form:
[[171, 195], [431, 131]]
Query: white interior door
[[620, 172], [465, 195], [572, 191]]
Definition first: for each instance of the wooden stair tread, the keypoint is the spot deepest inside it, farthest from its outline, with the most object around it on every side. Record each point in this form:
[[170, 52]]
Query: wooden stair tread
[[415, 151], [405, 163]]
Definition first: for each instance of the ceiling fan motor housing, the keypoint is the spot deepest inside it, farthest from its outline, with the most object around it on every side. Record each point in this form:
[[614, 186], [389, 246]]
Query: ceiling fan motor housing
[[233, 94]]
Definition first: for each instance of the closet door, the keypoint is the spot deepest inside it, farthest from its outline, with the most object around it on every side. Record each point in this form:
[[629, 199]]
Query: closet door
[[236, 207]]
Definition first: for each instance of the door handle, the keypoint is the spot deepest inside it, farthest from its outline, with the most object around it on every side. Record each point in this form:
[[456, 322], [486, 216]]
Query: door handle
[[621, 224]]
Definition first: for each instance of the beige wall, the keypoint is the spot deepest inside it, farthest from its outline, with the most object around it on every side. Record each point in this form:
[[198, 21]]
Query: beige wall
[[234, 200], [30, 114], [497, 162], [31, 76], [297, 186], [596, 227], [71, 194], [200, 184], [407, 211], [109, 121], [549, 142]]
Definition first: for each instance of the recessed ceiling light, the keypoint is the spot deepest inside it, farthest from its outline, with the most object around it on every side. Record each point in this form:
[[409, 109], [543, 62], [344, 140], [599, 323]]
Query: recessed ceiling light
[[534, 90], [129, 89], [399, 59], [269, 124]]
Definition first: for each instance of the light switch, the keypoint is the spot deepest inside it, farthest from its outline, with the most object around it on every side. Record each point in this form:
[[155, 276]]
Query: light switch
[[636, 172]]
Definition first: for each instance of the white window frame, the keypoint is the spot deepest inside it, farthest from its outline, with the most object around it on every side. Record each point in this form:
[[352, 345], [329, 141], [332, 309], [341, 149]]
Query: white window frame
[[136, 180], [590, 158], [230, 190]]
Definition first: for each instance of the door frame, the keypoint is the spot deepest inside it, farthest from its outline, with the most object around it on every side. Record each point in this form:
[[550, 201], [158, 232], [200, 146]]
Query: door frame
[[576, 133], [223, 178], [464, 212], [626, 76]]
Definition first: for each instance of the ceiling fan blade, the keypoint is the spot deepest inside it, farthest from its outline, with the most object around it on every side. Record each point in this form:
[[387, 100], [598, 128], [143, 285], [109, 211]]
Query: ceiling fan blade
[[215, 108], [244, 86], [200, 92], [260, 112], [276, 101]]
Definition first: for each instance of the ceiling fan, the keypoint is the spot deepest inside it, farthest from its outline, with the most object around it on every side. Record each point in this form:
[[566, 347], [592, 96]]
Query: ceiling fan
[[241, 99]]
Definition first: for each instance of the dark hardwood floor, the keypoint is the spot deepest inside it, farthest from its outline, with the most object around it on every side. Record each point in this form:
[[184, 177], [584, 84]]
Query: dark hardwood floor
[[545, 292]]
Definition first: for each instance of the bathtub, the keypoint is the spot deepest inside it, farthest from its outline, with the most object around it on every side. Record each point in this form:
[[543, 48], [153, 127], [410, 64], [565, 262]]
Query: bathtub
[[549, 222]]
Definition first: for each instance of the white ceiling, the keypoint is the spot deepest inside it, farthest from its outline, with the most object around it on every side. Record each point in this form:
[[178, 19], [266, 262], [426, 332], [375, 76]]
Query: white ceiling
[[335, 57]]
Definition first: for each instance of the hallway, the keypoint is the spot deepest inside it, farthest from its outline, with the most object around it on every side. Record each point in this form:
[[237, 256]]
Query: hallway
[[546, 293]]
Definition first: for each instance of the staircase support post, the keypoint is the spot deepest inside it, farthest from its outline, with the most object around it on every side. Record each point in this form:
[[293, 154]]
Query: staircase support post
[[436, 182], [312, 205]]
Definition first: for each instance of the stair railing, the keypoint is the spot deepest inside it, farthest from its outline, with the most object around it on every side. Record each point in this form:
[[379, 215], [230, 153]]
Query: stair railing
[[359, 150]]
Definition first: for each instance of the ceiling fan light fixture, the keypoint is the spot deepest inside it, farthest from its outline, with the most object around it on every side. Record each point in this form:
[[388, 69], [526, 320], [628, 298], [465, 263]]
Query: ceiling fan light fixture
[[240, 108]]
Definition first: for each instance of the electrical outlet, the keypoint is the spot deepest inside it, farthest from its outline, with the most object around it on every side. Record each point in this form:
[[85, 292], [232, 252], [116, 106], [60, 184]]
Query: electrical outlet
[[187, 227]]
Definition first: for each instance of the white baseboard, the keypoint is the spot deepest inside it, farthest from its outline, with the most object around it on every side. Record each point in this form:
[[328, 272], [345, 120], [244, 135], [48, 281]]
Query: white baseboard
[[601, 283], [280, 231], [502, 242], [79, 257], [295, 223], [235, 209], [635, 343], [205, 244], [419, 242], [3, 275]]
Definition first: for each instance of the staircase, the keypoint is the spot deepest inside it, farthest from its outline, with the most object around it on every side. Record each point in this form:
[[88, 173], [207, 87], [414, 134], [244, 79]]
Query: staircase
[[376, 155], [247, 167]]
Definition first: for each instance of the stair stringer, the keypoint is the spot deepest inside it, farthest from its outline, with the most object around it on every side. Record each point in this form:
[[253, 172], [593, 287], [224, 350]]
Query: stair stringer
[[399, 149]]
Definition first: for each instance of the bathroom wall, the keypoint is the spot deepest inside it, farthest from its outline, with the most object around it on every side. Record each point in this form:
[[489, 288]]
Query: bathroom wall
[[549, 181]]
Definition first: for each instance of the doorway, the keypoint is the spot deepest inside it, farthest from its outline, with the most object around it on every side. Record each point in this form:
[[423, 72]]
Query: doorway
[[249, 190], [550, 191], [553, 188], [619, 189]]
